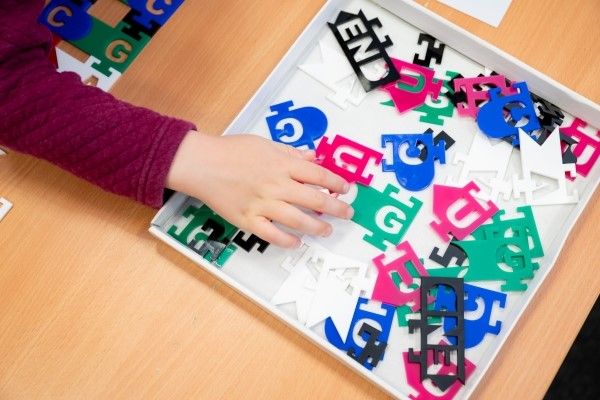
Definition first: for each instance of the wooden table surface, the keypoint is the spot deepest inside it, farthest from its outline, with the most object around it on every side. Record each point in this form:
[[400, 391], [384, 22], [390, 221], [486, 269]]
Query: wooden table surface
[[93, 307]]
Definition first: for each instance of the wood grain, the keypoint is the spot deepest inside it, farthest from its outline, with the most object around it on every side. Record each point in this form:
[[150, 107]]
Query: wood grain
[[91, 306]]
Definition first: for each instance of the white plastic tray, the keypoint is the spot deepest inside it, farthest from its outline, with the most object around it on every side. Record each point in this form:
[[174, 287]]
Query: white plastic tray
[[259, 276]]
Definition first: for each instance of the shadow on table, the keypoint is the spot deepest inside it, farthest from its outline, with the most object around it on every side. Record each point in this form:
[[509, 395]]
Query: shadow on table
[[578, 376]]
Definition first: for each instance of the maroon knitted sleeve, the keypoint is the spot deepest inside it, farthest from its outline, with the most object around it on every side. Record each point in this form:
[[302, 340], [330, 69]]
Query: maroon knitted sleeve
[[124, 149]]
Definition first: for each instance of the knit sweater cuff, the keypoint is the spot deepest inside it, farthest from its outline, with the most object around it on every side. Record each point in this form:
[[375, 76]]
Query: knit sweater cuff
[[157, 165]]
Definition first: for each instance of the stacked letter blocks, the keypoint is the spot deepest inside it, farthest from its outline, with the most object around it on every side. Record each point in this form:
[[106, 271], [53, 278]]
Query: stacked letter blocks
[[111, 49]]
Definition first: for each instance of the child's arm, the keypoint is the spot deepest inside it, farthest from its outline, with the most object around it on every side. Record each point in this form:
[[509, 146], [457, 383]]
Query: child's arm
[[119, 147], [132, 151]]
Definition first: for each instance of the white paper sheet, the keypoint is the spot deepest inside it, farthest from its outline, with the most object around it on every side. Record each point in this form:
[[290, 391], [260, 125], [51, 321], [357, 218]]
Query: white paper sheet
[[488, 11]]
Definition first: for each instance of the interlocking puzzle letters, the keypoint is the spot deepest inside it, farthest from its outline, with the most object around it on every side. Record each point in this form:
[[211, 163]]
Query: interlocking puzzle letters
[[441, 380], [491, 116], [385, 216], [458, 211], [430, 391], [404, 263], [378, 316], [476, 92], [412, 171], [587, 148], [362, 47], [543, 160], [296, 126], [414, 85], [475, 329], [348, 159], [434, 51]]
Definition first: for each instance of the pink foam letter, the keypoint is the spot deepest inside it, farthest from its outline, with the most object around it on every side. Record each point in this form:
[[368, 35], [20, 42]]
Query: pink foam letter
[[347, 158], [385, 289], [583, 167], [475, 94], [415, 83], [458, 211]]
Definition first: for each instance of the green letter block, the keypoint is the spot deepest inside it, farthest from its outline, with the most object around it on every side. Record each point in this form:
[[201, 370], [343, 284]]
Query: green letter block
[[385, 217], [502, 251], [188, 229], [433, 110], [111, 46]]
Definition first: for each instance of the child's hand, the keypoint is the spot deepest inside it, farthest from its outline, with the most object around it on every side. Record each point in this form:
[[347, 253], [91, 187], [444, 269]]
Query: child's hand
[[251, 181]]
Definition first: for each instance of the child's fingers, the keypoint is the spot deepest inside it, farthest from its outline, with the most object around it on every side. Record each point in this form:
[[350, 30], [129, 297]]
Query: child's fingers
[[314, 174], [266, 230], [308, 155], [311, 198], [296, 219]]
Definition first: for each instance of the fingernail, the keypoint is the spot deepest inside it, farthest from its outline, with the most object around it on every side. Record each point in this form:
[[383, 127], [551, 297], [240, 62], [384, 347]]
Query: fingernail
[[327, 231], [350, 212], [346, 187], [297, 244]]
